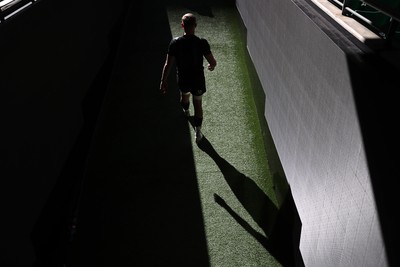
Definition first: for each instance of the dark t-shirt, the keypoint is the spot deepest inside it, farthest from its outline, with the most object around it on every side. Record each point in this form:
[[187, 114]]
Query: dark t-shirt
[[189, 51]]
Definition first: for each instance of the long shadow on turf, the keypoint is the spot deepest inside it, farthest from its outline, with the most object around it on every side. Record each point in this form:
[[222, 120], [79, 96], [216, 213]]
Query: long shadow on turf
[[281, 226]]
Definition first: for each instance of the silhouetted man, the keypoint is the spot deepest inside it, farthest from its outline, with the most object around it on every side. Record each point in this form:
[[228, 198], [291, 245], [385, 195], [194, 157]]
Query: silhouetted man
[[188, 51]]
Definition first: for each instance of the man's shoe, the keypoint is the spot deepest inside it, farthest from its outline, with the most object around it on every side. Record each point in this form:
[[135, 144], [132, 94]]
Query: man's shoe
[[198, 134]]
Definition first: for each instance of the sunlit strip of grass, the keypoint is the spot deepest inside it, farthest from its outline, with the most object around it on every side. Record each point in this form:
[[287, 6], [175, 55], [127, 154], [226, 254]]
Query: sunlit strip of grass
[[232, 126]]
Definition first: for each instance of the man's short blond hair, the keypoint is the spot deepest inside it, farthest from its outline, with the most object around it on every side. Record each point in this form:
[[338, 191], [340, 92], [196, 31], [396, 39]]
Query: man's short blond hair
[[189, 20]]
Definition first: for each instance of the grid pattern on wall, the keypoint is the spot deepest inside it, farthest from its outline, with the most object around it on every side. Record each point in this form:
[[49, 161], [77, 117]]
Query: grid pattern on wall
[[311, 113]]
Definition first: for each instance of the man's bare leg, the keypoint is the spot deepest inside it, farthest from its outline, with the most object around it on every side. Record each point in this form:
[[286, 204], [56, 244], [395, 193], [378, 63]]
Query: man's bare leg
[[185, 103], [198, 116]]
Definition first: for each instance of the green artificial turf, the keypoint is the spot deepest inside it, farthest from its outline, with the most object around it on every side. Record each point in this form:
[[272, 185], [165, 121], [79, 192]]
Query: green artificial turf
[[232, 166]]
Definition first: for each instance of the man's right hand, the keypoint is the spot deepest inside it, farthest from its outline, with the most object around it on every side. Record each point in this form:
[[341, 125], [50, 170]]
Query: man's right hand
[[163, 87]]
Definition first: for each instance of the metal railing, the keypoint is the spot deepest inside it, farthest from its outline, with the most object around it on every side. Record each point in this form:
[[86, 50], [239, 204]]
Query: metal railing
[[391, 11], [380, 16], [9, 8]]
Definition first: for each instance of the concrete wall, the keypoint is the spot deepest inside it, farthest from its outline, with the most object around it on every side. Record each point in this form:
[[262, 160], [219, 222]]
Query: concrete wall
[[312, 74], [50, 57]]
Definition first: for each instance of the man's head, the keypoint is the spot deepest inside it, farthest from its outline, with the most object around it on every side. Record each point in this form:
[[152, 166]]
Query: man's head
[[189, 22]]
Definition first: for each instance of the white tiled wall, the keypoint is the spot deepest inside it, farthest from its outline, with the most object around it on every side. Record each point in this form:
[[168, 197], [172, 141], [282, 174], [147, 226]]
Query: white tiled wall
[[311, 113]]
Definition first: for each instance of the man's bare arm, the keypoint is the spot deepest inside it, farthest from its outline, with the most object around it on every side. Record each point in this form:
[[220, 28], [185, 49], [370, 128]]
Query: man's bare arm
[[211, 62], [166, 70]]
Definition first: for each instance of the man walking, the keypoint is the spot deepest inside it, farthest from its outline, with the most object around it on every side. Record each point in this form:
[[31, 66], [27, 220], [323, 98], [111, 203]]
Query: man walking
[[188, 51]]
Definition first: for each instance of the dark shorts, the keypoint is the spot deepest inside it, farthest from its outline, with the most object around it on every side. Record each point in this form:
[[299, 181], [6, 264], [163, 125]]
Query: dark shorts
[[196, 92], [196, 87]]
